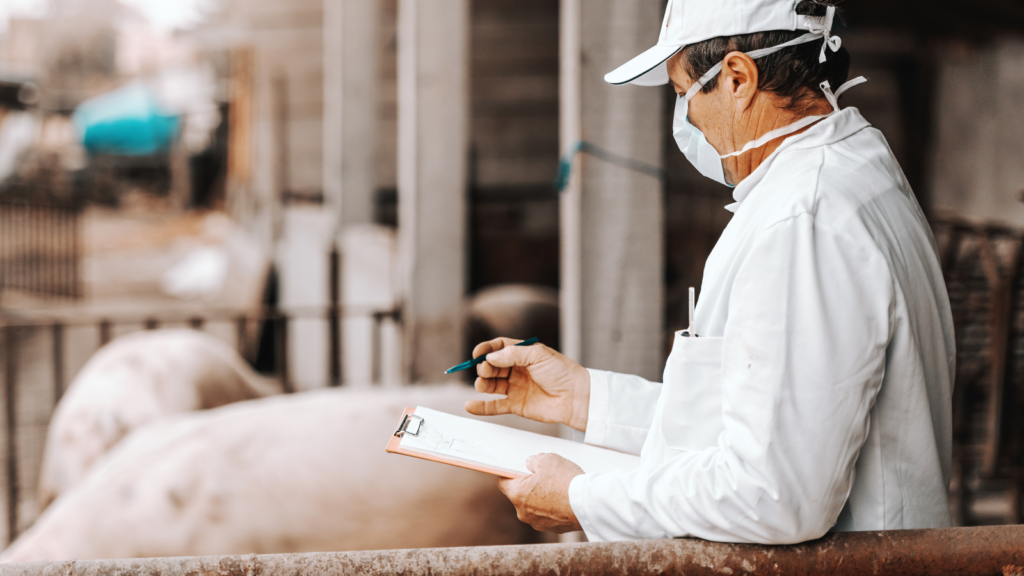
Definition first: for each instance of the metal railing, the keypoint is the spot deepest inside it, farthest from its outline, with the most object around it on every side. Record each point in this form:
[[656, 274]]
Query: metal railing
[[983, 265], [274, 320], [40, 248], [33, 235], [983, 551]]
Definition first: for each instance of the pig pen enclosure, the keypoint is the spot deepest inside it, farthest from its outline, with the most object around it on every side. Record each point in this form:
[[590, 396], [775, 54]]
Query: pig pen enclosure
[[982, 267], [41, 351], [981, 263], [40, 247]]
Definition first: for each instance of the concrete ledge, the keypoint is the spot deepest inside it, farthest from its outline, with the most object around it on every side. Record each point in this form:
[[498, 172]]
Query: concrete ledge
[[983, 551]]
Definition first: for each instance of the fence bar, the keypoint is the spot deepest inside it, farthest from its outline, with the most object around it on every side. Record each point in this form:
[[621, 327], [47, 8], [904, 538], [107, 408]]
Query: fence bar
[[19, 241], [241, 336], [4, 241], [334, 317], [76, 253], [105, 326], [376, 352], [281, 353], [35, 280], [982, 551], [10, 402], [19, 246], [58, 362]]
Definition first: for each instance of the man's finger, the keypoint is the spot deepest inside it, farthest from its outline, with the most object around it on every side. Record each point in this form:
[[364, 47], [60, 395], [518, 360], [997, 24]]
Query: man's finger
[[516, 356], [529, 463], [486, 347], [507, 485], [491, 385], [493, 346], [489, 407], [487, 370]]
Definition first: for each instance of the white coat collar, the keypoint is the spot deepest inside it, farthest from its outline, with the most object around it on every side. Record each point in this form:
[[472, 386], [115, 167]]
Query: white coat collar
[[829, 131]]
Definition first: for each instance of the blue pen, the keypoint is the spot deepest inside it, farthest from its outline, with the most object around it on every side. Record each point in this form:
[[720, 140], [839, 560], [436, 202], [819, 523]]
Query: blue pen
[[479, 359]]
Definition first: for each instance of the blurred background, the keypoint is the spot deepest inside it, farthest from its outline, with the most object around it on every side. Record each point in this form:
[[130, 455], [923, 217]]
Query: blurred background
[[352, 193]]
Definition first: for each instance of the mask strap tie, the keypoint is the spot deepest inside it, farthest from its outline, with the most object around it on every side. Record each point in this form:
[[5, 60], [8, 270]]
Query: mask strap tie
[[827, 89], [833, 98], [833, 42], [855, 82]]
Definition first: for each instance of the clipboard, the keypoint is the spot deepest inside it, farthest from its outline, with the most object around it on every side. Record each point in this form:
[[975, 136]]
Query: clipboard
[[411, 423], [491, 448]]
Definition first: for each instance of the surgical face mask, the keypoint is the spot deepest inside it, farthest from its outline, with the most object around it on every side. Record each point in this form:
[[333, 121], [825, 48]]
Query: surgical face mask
[[695, 145]]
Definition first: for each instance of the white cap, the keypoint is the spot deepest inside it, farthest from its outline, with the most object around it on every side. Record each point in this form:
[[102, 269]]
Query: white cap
[[691, 21]]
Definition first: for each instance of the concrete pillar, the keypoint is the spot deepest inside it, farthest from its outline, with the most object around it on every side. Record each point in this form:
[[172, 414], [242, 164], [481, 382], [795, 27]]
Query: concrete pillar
[[350, 107], [303, 276], [433, 118], [612, 221]]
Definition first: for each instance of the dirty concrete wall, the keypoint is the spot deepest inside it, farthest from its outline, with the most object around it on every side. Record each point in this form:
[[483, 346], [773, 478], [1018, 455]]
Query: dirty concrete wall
[[977, 163]]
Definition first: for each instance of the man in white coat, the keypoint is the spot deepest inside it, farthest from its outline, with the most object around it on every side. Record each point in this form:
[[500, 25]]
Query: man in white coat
[[815, 391]]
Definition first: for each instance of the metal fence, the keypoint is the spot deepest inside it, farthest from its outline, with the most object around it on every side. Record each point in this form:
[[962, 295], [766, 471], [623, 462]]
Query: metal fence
[[40, 247], [982, 265], [271, 326], [30, 395], [987, 551]]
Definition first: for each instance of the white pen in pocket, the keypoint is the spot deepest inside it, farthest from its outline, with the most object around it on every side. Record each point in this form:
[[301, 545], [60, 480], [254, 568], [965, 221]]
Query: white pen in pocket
[[690, 331]]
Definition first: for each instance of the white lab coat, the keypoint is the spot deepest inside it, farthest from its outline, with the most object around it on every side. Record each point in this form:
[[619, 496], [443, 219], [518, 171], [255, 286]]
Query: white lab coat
[[818, 392]]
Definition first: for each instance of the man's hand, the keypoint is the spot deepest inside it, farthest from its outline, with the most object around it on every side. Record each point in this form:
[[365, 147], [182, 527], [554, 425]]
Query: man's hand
[[542, 498], [538, 382]]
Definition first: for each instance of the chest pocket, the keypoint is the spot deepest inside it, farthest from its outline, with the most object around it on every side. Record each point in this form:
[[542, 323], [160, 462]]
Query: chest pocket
[[692, 410]]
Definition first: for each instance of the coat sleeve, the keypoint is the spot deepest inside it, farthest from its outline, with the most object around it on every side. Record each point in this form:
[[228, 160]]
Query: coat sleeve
[[621, 410], [803, 358]]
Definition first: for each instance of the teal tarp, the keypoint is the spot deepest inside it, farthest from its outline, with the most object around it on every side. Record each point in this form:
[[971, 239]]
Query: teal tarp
[[128, 121]]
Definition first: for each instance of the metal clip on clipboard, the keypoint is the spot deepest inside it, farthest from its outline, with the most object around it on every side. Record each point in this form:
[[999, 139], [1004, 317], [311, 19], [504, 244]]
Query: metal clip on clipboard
[[411, 424]]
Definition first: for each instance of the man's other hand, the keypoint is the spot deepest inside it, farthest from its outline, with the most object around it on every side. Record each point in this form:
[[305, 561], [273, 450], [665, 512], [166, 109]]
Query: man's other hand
[[538, 382], [542, 498]]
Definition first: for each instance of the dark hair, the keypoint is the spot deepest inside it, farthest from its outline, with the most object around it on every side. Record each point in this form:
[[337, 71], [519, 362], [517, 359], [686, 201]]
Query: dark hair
[[792, 73]]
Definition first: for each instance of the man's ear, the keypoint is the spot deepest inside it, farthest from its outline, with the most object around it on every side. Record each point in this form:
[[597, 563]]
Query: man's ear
[[739, 77]]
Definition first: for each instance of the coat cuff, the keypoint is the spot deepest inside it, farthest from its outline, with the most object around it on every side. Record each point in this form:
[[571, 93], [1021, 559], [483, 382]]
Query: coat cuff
[[578, 489], [597, 413]]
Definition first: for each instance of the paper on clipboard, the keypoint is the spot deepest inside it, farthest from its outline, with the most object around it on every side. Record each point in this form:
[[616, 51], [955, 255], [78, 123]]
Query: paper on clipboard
[[491, 448]]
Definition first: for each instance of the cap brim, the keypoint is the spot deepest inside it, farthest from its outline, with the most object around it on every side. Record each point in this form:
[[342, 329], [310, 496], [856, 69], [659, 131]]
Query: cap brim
[[647, 69]]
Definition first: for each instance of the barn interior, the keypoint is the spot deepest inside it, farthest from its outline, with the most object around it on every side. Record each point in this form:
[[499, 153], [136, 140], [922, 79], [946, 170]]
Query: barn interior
[[351, 194]]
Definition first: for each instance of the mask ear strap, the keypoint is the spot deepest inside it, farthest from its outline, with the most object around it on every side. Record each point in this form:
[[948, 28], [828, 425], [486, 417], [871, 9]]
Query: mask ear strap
[[833, 99], [827, 89], [703, 80], [778, 133], [855, 82]]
